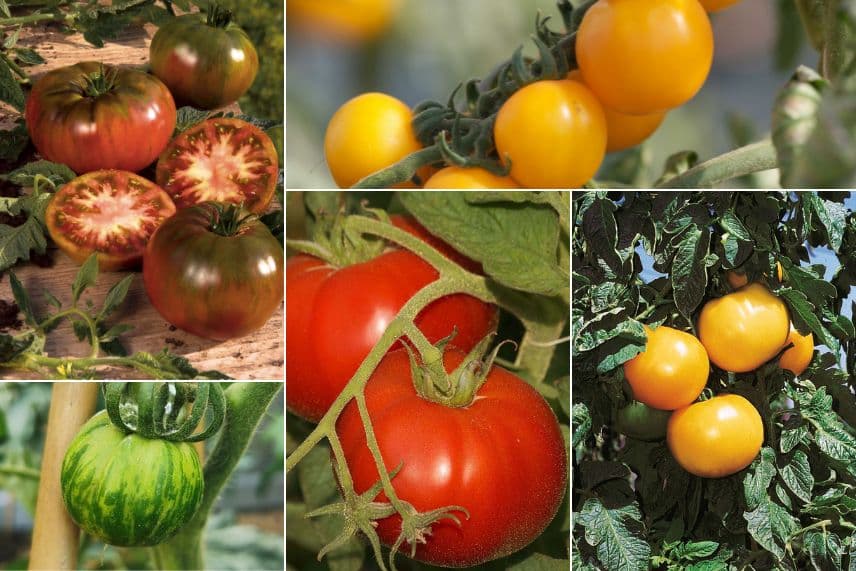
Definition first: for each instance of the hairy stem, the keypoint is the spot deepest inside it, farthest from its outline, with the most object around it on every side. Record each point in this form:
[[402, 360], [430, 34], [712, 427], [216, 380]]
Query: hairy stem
[[744, 161]]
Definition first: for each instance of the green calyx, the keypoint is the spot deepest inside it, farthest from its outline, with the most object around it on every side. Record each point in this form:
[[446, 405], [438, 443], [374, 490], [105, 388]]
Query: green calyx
[[98, 83], [227, 219], [218, 17], [338, 244]]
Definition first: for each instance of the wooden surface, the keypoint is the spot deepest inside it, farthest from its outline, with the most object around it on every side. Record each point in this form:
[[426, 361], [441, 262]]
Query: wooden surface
[[257, 356]]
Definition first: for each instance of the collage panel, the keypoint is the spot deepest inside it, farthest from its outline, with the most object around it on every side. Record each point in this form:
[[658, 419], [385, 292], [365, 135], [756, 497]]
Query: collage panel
[[714, 404], [110, 476]]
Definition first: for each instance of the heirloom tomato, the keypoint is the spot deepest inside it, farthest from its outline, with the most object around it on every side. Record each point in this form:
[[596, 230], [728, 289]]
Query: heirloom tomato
[[473, 177], [343, 20], [206, 61], [797, 358], [744, 329], [210, 275], [716, 437], [642, 422], [113, 213], [672, 370], [502, 457], [91, 116], [221, 160]]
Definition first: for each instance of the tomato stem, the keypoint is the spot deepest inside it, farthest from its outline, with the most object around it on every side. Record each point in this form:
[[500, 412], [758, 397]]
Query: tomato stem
[[757, 157], [218, 16]]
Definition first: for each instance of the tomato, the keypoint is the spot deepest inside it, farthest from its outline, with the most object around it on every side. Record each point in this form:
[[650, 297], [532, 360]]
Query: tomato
[[322, 355], [554, 134], [349, 21], [738, 278], [671, 372], [645, 56], [716, 5], [221, 160], [642, 422], [128, 490], [207, 62], [744, 329], [211, 279], [716, 437], [474, 177], [367, 134], [113, 213], [90, 117], [797, 358], [502, 458]]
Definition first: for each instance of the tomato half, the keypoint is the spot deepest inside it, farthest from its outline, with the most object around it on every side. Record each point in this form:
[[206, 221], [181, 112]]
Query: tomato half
[[797, 358], [210, 282], [473, 177], [744, 329], [554, 134], [220, 160], [717, 437], [502, 457], [90, 117], [367, 134], [206, 62], [322, 354], [343, 20], [645, 56], [113, 213], [716, 5], [671, 372]]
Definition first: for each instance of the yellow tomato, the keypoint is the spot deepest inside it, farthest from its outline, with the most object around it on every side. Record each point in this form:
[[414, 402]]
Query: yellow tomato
[[797, 358], [343, 20], [716, 437], [744, 329], [671, 372], [716, 5], [738, 278], [473, 177]]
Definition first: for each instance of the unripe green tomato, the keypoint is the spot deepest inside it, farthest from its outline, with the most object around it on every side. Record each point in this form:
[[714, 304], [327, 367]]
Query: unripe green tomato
[[640, 421]]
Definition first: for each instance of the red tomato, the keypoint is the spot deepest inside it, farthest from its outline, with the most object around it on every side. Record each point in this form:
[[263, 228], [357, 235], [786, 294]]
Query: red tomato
[[220, 160], [502, 458], [212, 282], [91, 117], [336, 315], [113, 213]]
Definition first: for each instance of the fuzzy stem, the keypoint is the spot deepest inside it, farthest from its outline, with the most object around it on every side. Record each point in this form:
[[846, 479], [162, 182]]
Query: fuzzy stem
[[746, 160]]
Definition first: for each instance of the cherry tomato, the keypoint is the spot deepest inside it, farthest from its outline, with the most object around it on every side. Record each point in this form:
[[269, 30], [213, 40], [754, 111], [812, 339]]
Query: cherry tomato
[[348, 21], [716, 437], [91, 116], [475, 177], [797, 358], [367, 134], [717, 5], [502, 457], [206, 61], [642, 422], [211, 281], [554, 134], [671, 372], [113, 213], [645, 56], [743, 330], [221, 160]]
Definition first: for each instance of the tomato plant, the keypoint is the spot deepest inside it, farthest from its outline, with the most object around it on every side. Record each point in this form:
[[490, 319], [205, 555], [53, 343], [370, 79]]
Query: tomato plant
[[206, 62], [554, 134], [111, 213], [672, 370], [214, 272], [716, 437], [474, 177], [343, 20], [797, 357], [744, 329], [645, 56], [220, 160], [92, 116], [471, 456]]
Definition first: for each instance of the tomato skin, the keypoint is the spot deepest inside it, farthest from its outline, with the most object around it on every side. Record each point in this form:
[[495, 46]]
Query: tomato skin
[[220, 160], [554, 133], [645, 56], [125, 128], [367, 134], [736, 279], [717, 5], [502, 457], [744, 329], [797, 358], [203, 65], [671, 372], [473, 177], [217, 287], [716, 437], [347, 21], [640, 421], [113, 213]]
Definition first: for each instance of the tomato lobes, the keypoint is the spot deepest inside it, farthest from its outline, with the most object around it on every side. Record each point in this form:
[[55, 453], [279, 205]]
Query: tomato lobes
[[797, 358]]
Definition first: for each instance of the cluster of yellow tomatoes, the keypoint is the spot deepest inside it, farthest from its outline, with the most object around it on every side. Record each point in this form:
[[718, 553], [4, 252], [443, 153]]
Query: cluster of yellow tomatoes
[[738, 332], [637, 60]]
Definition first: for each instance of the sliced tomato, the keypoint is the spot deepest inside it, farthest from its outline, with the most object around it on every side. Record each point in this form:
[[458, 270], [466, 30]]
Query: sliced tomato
[[220, 160], [111, 212]]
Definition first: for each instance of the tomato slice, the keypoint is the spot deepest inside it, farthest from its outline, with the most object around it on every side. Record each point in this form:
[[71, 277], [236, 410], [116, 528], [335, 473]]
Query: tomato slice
[[222, 160], [110, 212]]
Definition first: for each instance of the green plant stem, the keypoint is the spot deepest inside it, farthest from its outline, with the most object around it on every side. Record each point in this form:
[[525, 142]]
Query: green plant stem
[[31, 19], [15, 67], [744, 161], [21, 472], [403, 170], [247, 405]]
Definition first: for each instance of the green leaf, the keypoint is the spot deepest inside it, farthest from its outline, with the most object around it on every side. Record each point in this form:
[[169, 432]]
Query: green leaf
[[13, 142], [28, 57], [115, 297], [617, 548], [798, 477], [540, 562], [4, 9], [169, 366], [25, 176], [10, 89], [22, 298], [86, 276], [689, 268], [771, 526], [824, 548], [187, 117]]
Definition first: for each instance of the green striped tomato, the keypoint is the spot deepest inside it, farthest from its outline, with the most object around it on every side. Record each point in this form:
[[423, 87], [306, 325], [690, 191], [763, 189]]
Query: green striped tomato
[[128, 490]]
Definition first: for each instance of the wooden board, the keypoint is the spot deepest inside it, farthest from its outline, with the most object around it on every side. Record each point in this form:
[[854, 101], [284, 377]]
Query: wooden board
[[257, 356]]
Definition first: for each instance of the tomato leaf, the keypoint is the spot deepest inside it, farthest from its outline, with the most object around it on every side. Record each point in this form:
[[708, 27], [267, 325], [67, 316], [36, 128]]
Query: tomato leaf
[[87, 275], [10, 89], [22, 298], [4, 9], [13, 142], [540, 562], [115, 297], [27, 56], [605, 529], [187, 117], [25, 176]]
